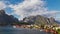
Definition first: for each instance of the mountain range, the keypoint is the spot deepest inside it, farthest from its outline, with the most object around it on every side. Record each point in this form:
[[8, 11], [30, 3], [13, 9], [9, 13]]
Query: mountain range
[[6, 19], [40, 20]]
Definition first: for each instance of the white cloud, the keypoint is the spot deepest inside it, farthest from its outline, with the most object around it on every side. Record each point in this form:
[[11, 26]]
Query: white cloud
[[30, 7], [2, 5], [51, 13]]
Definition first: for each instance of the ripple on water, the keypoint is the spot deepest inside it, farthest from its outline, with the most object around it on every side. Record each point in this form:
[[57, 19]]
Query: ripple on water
[[20, 31]]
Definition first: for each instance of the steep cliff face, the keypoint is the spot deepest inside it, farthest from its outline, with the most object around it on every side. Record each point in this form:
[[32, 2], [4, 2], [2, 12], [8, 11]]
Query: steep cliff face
[[7, 19], [39, 20]]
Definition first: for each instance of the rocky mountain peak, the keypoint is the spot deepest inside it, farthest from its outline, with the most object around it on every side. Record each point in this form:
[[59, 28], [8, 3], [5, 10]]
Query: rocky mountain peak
[[39, 20], [2, 12], [6, 19]]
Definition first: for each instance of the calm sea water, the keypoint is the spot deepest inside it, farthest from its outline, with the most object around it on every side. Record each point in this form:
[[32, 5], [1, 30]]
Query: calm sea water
[[10, 30]]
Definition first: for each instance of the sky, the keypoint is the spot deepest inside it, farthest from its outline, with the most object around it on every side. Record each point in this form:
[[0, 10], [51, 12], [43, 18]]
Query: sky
[[24, 8]]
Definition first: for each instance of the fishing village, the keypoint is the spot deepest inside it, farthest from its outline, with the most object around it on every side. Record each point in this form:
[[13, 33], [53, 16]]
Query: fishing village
[[46, 28]]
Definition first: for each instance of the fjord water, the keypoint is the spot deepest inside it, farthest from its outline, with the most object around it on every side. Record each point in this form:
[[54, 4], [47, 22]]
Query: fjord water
[[10, 30]]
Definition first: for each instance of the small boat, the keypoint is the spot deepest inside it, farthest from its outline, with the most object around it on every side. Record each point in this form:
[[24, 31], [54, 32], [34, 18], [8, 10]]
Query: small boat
[[14, 26], [41, 30]]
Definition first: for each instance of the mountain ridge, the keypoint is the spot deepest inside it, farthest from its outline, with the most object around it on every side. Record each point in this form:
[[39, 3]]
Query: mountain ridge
[[39, 20], [6, 19]]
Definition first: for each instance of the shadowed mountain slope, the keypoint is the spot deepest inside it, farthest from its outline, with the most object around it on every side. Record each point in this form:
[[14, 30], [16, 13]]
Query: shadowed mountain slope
[[7, 19]]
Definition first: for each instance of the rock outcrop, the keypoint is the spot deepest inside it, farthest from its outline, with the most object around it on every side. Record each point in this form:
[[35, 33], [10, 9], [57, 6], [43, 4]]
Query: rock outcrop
[[7, 19], [39, 20]]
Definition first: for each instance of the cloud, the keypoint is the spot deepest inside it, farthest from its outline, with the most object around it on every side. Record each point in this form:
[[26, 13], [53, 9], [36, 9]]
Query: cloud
[[2, 5], [52, 13], [31, 7]]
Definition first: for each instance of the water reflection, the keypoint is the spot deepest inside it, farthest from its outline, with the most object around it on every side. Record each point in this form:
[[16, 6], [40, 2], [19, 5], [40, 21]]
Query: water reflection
[[10, 30]]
